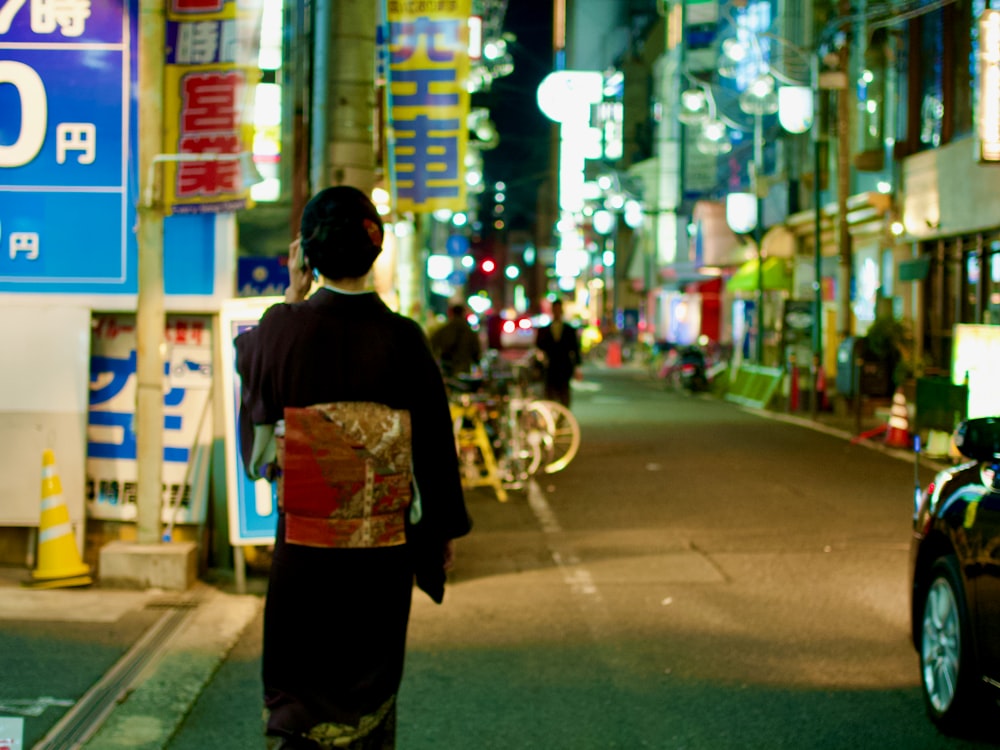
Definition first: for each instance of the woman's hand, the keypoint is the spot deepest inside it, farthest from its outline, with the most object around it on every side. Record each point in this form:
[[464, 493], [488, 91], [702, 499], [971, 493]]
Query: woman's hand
[[300, 277]]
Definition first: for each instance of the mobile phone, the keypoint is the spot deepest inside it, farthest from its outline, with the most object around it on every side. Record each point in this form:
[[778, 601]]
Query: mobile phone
[[303, 260]]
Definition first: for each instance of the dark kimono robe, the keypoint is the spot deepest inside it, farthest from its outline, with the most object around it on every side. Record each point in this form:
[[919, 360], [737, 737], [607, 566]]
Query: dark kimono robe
[[335, 620]]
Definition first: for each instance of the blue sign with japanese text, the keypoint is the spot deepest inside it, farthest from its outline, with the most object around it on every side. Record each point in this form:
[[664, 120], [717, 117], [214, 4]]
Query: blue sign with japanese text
[[68, 145], [65, 115]]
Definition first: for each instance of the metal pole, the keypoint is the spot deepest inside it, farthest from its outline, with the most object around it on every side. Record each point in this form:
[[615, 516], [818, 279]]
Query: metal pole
[[817, 239], [845, 322], [758, 230], [150, 317]]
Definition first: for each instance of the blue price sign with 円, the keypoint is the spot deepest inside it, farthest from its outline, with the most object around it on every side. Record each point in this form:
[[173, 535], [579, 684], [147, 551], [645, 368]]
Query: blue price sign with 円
[[66, 113]]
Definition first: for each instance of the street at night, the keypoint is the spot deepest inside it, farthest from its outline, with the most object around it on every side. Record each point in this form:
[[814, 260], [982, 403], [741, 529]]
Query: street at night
[[700, 576]]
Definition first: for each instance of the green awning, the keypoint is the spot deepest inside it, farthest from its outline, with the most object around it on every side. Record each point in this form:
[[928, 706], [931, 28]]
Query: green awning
[[776, 276]]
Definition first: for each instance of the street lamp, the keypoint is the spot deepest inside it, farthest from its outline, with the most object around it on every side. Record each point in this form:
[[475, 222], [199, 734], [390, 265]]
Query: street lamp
[[794, 96], [759, 99]]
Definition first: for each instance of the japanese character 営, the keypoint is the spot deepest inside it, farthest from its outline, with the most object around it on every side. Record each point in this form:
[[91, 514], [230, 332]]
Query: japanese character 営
[[211, 102]]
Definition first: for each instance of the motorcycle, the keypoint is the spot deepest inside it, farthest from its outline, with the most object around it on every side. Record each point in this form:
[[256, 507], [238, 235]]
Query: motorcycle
[[693, 367]]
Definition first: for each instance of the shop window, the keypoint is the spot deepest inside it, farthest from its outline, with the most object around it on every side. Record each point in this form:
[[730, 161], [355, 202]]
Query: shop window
[[931, 80], [941, 76], [970, 286], [976, 10], [871, 91], [991, 303]]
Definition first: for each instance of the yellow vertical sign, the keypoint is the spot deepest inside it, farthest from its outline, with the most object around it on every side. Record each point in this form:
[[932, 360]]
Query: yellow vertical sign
[[428, 103], [209, 81]]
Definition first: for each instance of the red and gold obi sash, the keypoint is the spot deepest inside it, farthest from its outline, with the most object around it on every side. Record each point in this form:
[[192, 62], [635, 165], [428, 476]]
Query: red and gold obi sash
[[345, 475]]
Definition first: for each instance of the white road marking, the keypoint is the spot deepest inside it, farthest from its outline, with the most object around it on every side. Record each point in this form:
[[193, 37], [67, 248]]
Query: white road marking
[[576, 576]]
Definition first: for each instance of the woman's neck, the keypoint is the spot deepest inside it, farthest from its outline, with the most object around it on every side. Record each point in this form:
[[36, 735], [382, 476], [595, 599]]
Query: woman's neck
[[359, 284]]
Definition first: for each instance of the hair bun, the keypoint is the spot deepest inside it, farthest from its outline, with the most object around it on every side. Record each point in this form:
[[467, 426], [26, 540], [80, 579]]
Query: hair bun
[[341, 232]]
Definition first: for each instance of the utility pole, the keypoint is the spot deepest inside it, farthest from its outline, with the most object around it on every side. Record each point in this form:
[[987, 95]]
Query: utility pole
[[298, 56], [150, 316], [844, 116], [343, 139]]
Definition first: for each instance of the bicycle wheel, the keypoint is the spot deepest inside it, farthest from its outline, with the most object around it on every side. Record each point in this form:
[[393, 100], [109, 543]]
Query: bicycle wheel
[[520, 455], [562, 434]]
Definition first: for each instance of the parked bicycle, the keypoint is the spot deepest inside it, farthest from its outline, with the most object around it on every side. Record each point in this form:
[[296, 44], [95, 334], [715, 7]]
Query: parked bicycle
[[503, 434]]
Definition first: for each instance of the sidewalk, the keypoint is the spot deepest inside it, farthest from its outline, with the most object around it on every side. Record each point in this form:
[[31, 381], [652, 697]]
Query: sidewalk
[[143, 698]]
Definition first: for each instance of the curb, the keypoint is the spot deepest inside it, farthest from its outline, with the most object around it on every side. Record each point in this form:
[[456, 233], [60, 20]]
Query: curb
[[903, 455], [159, 699]]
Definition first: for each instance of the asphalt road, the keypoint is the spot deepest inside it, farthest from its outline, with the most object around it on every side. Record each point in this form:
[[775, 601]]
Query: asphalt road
[[701, 576]]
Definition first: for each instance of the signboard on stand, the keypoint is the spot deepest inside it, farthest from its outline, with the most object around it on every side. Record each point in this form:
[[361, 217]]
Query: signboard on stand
[[975, 357], [253, 512]]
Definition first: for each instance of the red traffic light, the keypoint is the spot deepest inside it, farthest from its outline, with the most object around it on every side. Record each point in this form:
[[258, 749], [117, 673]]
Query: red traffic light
[[488, 265]]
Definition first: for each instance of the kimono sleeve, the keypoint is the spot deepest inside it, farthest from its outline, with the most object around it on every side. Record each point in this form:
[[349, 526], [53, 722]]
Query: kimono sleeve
[[256, 387]]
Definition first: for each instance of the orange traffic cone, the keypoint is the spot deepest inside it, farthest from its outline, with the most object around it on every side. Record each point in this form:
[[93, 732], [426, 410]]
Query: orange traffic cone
[[823, 401], [614, 356], [59, 562], [898, 433]]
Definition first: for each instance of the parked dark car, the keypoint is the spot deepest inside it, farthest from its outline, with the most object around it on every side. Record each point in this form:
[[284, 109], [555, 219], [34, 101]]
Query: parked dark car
[[955, 574]]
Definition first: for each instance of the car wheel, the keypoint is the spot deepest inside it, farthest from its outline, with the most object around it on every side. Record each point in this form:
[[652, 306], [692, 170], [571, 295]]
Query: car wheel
[[946, 669]]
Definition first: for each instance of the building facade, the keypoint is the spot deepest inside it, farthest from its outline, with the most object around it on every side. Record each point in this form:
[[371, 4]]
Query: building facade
[[868, 153]]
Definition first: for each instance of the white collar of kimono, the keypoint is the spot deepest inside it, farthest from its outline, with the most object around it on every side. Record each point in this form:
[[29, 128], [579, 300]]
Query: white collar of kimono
[[338, 290]]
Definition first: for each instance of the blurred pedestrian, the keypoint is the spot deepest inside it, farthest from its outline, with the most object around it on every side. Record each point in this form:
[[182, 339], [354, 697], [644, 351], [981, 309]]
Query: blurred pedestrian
[[560, 346], [353, 532], [455, 344]]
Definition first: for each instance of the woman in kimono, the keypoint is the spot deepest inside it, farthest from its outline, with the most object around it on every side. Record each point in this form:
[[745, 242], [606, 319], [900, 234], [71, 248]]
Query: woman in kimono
[[337, 608]]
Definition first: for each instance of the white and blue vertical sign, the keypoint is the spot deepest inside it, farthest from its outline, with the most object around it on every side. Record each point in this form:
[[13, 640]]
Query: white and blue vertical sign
[[66, 119], [252, 506]]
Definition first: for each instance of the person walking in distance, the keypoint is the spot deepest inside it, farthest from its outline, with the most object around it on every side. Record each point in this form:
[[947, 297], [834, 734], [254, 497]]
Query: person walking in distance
[[455, 344], [344, 408], [560, 346]]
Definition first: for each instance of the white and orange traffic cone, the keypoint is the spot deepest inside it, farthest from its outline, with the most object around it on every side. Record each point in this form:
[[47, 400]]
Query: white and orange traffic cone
[[823, 401], [614, 355], [898, 433], [59, 563]]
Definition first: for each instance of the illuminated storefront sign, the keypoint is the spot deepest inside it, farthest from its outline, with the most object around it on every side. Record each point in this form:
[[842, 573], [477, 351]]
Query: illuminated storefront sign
[[64, 118], [989, 85], [975, 356], [566, 97], [429, 104]]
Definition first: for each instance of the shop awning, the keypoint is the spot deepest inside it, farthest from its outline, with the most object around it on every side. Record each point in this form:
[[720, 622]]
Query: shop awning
[[776, 276]]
